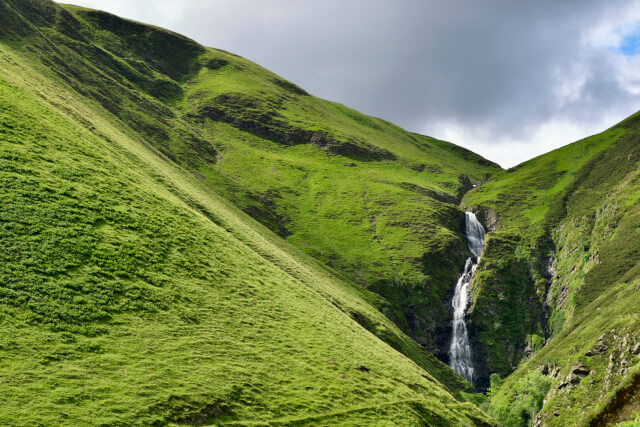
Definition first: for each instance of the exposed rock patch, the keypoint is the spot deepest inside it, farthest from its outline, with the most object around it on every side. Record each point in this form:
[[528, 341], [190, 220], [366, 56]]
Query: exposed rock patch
[[577, 372], [263, 119], [464, 185], [437, 195], [599, 348], [488, 217], [216, 63]]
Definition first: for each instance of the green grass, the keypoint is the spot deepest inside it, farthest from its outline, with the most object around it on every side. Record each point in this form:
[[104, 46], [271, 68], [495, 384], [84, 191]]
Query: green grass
[[135, 288], [614, 315], [524, 194], [371, 201], [187, 238], [572, 268], [374, 203]]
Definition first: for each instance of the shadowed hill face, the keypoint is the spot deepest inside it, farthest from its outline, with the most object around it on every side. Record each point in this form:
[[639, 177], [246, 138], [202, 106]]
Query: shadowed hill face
[[569, 262], [134, 287], [168, 53]]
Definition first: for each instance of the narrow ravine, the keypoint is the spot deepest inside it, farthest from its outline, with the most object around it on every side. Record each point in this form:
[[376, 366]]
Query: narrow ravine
[[460, 358]]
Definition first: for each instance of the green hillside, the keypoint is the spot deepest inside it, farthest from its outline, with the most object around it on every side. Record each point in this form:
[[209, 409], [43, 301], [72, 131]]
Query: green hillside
[[189, 239], [562, 267], [375, 203]]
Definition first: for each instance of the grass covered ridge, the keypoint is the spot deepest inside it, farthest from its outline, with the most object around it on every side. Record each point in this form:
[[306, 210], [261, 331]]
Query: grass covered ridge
[[362, 196], [135, 290]]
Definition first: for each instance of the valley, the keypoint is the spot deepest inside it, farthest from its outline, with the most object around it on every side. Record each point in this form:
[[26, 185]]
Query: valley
[[189, 239]]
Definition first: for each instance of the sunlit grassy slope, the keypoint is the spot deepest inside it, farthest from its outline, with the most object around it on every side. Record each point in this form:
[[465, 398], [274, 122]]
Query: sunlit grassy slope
[[563, 263], [375, 203], [134, 291], [357, 193]]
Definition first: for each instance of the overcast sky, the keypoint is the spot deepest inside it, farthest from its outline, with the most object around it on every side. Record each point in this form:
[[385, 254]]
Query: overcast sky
[[508, 79]]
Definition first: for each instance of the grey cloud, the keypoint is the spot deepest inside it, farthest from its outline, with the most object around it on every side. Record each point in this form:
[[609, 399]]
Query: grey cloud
[[494, 65]]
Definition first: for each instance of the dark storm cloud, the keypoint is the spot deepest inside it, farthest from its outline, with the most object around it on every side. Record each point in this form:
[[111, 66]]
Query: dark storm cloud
[[487, 73]]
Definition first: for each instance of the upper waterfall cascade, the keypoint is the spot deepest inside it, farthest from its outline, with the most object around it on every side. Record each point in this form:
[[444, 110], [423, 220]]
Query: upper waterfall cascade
[[475, 233]]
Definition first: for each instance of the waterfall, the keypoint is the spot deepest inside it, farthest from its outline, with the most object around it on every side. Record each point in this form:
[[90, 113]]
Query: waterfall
[[474, 233], [460, 350]]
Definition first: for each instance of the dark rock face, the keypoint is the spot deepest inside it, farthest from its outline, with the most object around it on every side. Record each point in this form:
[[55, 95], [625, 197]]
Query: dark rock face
[[600, 347], [464, 185], [577, 372], [480, 365], [262, 118], [580, 370], [488, 217]]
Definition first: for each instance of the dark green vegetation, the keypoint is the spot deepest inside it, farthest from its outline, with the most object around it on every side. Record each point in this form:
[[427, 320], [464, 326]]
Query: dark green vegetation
[[562, 269], [147, 185]]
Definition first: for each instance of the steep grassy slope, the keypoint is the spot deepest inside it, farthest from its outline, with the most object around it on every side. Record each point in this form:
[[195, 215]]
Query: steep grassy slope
[[364, 197], [134, 293], [563, 262], [373, 202]]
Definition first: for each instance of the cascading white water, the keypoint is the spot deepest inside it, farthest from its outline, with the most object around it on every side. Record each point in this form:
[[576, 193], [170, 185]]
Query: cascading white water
[[474, 233], [460, 351]]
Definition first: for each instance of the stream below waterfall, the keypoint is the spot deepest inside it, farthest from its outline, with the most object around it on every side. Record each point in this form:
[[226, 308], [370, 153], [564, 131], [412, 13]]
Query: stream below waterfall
[[460, 357]]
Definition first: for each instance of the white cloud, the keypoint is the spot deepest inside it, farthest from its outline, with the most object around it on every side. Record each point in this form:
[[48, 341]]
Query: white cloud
[[614, 24], [540, 139]]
